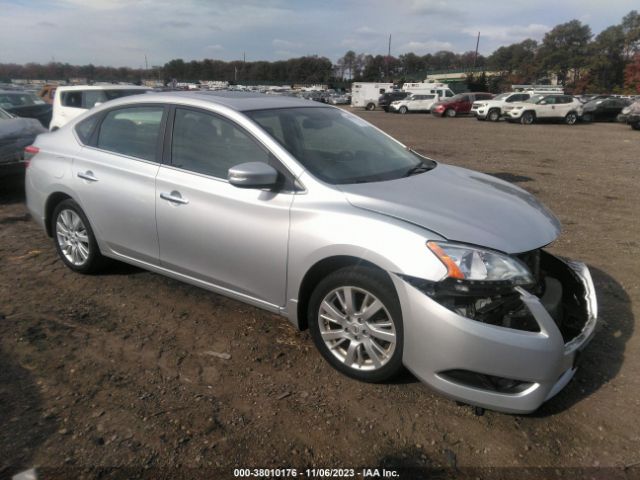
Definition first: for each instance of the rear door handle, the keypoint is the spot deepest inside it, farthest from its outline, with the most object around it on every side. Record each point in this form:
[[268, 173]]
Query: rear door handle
[[175, 197], [88, 175]]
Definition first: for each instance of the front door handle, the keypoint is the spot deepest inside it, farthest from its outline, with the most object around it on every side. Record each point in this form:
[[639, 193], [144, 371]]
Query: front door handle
[[175, 197], [88, 175]]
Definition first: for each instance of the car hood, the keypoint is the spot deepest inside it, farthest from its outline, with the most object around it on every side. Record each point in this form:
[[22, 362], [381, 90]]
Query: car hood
[[463, 206]]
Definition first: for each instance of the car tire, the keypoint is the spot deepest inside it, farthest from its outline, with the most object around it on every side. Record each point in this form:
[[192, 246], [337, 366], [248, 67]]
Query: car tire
[[494, 115], [450, 113], [74, 239], [403, 110], [635, 126], [367, 349], [528, 118], [371, 106], [571, 118]]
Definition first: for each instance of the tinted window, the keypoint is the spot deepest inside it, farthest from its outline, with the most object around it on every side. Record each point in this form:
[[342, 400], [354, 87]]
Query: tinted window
[[208, 144], [91, 97], [131, 131], [84, 129], [71, 99]]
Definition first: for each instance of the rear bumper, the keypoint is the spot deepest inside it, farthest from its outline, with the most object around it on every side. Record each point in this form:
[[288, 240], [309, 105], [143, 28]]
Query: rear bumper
[[438, 341]]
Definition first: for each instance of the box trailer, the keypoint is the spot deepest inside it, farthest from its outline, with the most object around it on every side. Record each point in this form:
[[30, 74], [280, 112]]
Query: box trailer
[[366, 94], [440, 90]]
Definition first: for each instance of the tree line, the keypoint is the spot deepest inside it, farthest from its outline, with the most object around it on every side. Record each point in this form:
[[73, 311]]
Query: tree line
[[570, 53]]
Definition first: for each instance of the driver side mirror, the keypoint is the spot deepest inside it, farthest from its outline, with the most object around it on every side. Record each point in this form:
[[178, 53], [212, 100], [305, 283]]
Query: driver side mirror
[[253, 175], [543, 102]]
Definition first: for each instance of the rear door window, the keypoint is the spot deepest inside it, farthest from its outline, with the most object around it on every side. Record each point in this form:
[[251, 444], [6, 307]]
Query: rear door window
[[91, 97], [132, 131]]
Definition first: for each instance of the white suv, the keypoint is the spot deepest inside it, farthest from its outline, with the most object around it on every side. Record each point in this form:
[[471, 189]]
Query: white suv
[[69, 102], [492, 109], [414, 103], [545, 107]]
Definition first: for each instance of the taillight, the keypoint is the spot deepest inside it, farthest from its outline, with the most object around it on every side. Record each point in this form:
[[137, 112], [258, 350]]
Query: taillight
[[29, 153]]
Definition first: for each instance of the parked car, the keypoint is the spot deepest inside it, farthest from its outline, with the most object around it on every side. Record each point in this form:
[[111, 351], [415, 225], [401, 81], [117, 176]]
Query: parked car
[[563, 108], [15, 134], [492, 109], [25, 104], [458, 104], [387, 98], [338, 99], [414, 103], [69, 102], [388, 257], [633, 117], [603, 109]]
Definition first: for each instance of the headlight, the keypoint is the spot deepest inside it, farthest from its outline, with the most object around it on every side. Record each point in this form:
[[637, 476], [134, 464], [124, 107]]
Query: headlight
[[626, 110], [474, 264]]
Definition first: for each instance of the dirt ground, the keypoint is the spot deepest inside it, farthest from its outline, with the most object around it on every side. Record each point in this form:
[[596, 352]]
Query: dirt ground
[[118, 375]]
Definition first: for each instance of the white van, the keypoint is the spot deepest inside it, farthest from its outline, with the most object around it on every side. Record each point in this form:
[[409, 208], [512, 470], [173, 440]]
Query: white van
[[69, 102], [366, 94]]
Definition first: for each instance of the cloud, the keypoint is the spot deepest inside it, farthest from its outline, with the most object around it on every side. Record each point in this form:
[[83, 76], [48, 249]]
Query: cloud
[[177, 24], [508, 35], [430, 46], [286, 44], [46, 24], [364, 30], [214, 48], [433, 7]]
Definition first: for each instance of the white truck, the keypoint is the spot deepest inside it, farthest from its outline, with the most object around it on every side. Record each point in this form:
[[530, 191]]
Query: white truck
[[494, 108], [366, 94]]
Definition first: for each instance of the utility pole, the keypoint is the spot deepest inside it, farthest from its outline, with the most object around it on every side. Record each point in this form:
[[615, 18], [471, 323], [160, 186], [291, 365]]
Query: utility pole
[[388, 56], [146, 63], [475, 58]]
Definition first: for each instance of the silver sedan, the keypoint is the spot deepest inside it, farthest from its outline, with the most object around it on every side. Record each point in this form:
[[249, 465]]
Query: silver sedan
[[389, 258]]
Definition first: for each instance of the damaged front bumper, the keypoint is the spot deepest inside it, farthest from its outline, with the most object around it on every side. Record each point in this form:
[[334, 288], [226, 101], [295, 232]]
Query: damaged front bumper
[[497, 367]]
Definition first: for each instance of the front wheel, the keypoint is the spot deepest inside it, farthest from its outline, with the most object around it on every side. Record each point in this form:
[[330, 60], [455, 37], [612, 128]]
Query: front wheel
[[450, 113], [403, 110], [371, 106], [75, 242], [494, 115], [635, 126], [527, 118], [571, 118], [355, 321]]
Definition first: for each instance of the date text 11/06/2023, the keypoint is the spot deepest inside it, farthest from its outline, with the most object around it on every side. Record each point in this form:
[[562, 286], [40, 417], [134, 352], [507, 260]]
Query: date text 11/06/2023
[[315, 473]]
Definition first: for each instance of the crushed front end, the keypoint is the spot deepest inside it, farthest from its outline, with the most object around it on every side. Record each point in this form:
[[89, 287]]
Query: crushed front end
[[496, 344]]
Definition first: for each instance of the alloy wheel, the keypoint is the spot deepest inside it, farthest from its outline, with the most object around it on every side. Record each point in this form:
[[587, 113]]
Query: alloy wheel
[[357, 328], [72, 237]]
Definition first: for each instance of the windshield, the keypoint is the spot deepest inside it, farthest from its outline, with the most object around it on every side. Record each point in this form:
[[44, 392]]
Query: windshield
[[338, 147], [9, 100], [4, 115]]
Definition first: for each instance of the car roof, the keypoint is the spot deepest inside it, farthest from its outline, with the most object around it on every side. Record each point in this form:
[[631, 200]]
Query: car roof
[[101, 87], [240, 101]]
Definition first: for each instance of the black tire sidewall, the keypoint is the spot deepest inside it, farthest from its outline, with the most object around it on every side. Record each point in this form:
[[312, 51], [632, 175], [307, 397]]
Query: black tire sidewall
[[378, 284], [493, 112], [403, 110], [95, 259]]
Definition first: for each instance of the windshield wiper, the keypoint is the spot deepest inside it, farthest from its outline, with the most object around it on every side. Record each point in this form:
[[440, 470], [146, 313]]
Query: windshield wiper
[[420, 168]]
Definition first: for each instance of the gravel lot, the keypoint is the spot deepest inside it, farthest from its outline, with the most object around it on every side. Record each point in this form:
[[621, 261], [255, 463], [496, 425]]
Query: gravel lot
[[122, 369]]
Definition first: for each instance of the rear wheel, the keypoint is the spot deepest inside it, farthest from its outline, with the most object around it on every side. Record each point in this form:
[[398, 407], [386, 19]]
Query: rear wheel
[[494, 115], [75, 242], [635, 126], [450, 112], [371, 106], [356, 323], [403, 110], [527, 118], [571, 118]]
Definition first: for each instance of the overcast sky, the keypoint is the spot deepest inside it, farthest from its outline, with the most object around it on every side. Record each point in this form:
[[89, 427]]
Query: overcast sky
[[122, 32]]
